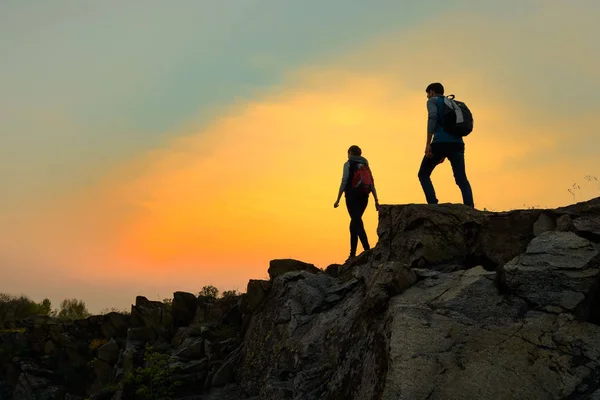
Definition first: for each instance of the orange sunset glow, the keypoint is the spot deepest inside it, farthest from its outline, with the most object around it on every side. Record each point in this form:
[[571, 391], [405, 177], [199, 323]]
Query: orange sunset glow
[[221, 193]]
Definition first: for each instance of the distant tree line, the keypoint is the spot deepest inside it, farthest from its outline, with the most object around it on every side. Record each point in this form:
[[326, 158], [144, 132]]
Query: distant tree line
[[19, 307], [209, 292]]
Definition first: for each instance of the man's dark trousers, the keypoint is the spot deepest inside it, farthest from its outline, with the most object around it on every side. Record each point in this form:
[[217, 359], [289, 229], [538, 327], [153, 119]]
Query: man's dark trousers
[[455, 153]]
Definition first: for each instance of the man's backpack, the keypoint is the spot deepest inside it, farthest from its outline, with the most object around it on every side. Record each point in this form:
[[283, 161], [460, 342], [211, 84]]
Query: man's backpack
[[362, 180], [456, 118]]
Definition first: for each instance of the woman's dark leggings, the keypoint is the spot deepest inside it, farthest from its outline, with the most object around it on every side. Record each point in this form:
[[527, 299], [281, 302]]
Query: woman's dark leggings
[[357, 204]]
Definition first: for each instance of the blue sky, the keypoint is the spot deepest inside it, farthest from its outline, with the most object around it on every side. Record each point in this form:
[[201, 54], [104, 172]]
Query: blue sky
[[85, 82]]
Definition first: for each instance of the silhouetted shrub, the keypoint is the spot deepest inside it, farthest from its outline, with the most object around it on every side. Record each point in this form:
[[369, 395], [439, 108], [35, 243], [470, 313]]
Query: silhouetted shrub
[[14, 308], [72, 309], [230, 293], [208, 293]]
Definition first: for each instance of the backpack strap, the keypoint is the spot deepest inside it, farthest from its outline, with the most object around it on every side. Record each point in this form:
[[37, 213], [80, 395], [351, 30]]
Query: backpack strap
[[351, 170], [440, 107]]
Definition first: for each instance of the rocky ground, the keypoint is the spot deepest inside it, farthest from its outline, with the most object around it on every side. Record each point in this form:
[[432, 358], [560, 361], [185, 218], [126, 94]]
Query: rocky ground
[[452, 303]]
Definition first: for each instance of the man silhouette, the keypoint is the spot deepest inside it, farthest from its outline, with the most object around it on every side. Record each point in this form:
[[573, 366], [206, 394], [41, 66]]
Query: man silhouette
[[441, 145]]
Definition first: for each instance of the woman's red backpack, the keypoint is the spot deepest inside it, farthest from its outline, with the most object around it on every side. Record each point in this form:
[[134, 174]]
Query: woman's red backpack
[[362, 180]]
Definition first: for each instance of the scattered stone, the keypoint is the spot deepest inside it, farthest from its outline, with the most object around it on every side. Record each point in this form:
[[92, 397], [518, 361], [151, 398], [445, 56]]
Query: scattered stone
[[544, 223], [564, 223]]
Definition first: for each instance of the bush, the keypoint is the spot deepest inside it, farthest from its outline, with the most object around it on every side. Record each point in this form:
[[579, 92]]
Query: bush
[[168, 304], [208, 293], [154, 380], [72, 309], [230, 293]]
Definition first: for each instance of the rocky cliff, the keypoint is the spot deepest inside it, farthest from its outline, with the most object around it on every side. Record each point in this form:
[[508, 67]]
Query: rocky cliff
[[452, 303]]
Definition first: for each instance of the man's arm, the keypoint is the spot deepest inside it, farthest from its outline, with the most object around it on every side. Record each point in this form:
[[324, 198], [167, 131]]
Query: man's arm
[[432, 117]]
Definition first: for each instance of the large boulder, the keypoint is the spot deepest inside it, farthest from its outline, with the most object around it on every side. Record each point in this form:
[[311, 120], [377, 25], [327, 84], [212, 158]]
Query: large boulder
[[183, 308], [149, 320], [114, 325], [282, 266], [455, 337], [256, 293], [449, 237], [557, 272]]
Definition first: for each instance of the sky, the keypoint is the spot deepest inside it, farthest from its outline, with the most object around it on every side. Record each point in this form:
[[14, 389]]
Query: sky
[[149, 147]]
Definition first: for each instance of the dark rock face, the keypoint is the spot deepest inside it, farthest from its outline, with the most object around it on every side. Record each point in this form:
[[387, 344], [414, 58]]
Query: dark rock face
[[292, 347], [452, 303], [43, 358], [448, 301], [455, 337], [450, 237]]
